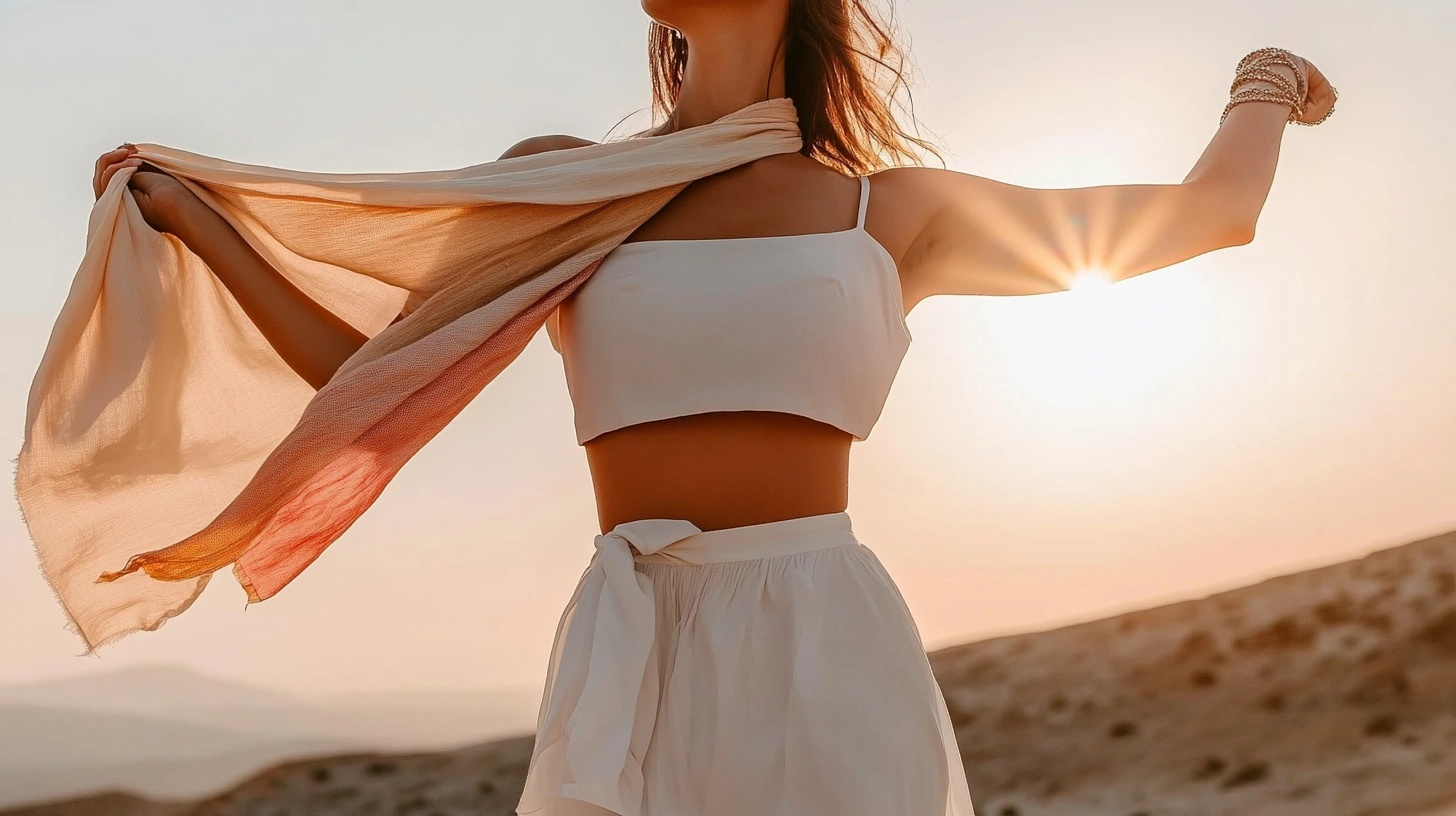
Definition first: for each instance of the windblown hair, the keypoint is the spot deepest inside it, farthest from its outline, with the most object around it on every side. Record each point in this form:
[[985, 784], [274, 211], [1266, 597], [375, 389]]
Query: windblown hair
[[842, 69]]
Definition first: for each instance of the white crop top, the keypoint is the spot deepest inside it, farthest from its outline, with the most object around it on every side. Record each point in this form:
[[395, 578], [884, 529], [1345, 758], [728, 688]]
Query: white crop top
[[809, 324]]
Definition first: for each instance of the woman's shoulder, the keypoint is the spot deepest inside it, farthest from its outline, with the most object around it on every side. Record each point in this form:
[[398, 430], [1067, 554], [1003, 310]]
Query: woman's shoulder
[[544, 144]]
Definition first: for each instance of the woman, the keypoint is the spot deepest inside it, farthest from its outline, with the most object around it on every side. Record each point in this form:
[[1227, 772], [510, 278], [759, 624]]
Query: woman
[[722, 361]]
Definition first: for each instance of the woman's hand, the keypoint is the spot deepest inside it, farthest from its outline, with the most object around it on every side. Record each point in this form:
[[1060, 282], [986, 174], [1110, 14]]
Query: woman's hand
[[313, 341], [1320, 98], [160, 197]]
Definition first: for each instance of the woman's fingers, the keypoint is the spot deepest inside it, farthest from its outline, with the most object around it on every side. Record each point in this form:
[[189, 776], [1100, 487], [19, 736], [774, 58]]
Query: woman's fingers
[[147, 178], [106, 166], [102, 162], [1321, 95], [112, 170], [1321, 86]]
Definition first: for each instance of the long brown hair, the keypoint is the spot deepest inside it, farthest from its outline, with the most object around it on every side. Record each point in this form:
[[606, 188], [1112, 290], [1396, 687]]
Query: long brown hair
[[836, 51]]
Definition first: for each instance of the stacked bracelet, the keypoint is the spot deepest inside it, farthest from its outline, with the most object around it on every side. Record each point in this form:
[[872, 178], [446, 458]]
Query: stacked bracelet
[[1257, 67]]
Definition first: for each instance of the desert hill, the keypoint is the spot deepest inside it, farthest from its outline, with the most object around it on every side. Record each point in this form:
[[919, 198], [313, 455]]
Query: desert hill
[[1330, 691]]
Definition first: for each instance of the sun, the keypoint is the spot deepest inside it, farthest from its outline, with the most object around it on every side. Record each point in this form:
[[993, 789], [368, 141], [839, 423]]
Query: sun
[[1103, 345], [1090, 278]]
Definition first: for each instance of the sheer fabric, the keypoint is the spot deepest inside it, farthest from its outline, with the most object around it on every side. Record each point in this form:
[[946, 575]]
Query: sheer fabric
[[165, 439]]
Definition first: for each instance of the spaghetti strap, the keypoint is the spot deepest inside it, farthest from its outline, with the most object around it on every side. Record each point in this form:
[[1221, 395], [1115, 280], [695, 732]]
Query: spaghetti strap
[[864, 200]]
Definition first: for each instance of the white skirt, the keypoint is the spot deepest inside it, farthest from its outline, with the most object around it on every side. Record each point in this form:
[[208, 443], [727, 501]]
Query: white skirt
[[771, 669]]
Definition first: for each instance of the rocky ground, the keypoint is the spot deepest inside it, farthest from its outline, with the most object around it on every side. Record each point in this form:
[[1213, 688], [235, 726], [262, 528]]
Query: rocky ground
[[1330, 692]]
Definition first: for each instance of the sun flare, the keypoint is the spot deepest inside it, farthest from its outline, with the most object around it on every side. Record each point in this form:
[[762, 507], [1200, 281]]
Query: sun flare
[[1090, 277], [1104, 344]]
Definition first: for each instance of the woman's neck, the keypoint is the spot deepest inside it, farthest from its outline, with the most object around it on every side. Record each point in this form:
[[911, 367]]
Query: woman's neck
[[732, 64]]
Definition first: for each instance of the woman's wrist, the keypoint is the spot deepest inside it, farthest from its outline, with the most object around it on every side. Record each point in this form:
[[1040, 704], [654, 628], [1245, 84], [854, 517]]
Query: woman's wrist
[[1260, 114], [1275, 89], [1273, 76], [1282, 70]]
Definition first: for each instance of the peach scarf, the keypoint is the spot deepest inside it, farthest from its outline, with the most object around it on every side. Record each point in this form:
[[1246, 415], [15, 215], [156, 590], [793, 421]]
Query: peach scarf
[[159, 414]]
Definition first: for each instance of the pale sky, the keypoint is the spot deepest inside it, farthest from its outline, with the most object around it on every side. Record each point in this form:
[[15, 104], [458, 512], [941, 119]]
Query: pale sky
[[1041, 461]]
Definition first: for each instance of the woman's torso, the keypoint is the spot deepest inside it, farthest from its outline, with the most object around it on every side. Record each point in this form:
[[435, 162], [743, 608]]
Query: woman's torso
[[731, 468]]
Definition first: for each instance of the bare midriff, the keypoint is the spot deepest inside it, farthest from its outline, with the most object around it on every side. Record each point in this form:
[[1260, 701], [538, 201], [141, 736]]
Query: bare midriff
[[721, 469]]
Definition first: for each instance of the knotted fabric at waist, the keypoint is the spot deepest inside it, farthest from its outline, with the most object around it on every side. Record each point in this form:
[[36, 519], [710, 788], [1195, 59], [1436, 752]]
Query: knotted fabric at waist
[[601, 695]]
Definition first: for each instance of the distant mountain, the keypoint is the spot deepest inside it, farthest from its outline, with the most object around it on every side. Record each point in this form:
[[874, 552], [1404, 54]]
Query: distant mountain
[[145, 689], [35, 738], [395, 719], [50, 753], [169, 731], [1330, 692]]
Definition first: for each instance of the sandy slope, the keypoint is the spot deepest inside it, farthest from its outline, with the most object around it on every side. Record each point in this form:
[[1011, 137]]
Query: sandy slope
[[1330, 692]]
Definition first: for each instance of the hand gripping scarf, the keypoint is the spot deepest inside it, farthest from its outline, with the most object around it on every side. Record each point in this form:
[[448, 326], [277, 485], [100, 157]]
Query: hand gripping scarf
[[161, 417]]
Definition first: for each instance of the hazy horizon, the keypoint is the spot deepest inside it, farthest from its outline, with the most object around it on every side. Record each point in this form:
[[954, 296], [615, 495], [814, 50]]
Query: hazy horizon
[[1042, 460]]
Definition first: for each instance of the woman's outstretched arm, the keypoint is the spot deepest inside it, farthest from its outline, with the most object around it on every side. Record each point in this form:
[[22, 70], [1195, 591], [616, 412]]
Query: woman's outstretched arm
[[313, 341], [310, 339], [982, 237]]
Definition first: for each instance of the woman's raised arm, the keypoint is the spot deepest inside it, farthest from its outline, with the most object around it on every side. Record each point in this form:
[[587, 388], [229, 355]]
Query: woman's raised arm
[[310, 339], [983, 237], [313, 341]]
